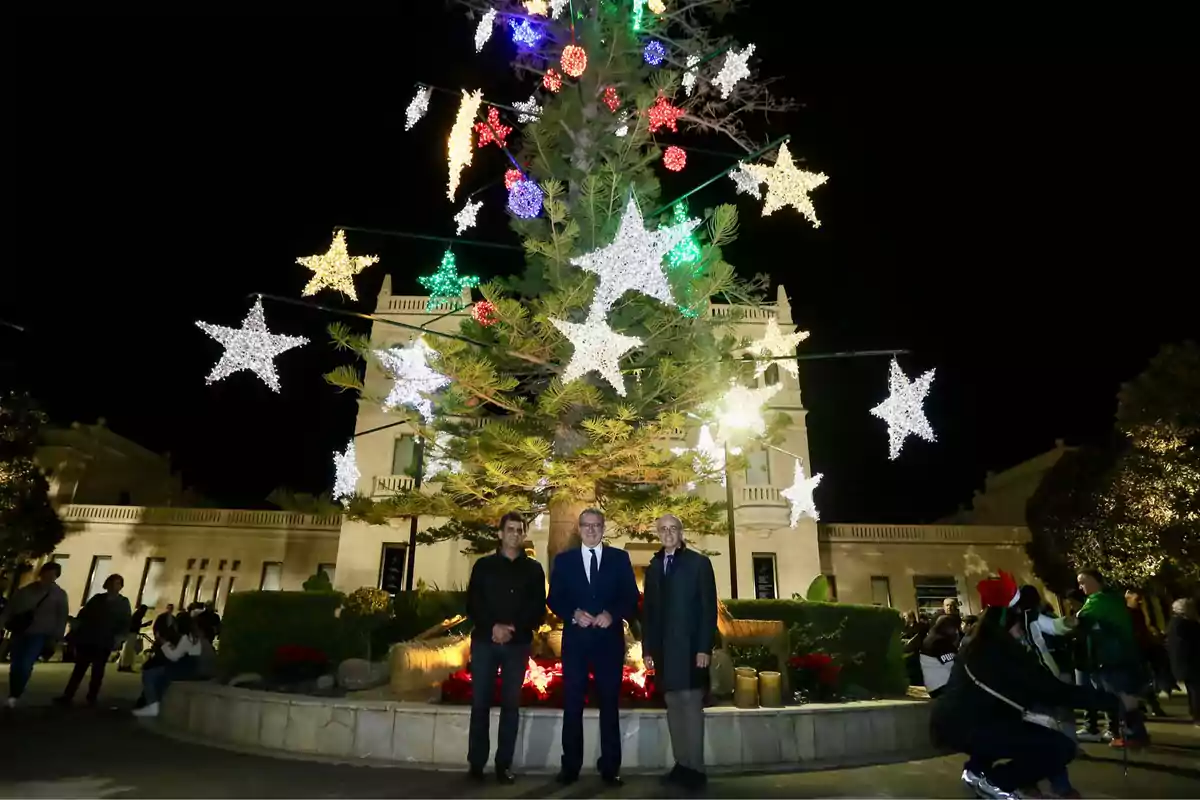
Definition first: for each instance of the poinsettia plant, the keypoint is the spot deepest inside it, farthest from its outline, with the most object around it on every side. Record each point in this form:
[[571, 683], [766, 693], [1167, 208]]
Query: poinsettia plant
[[815, 677]]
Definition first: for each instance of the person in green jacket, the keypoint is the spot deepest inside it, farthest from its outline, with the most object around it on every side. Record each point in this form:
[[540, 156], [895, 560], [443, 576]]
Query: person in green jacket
[[1112, 651]]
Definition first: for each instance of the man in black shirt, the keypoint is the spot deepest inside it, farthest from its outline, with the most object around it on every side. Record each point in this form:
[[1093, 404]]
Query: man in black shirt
[[506, 601]]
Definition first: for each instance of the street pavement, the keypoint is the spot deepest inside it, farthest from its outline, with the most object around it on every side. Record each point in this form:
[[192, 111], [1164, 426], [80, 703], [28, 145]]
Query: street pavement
[[51, 752]]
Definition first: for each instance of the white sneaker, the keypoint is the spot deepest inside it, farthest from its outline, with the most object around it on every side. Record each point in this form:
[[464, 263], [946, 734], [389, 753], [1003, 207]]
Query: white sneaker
[[982, 787], [1084, 735], [150, 710], [11, 702]]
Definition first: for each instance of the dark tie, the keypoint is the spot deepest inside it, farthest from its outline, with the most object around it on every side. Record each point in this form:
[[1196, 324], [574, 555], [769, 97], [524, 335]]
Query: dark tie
[[594, 568], [667, 565]]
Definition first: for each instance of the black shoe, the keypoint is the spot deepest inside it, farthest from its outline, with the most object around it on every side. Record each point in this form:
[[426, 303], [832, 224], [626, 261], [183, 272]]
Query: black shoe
[[612, 779], [62, 702], [566, 778], [505, 777], [673, 776], [475, 773], [693, 779]]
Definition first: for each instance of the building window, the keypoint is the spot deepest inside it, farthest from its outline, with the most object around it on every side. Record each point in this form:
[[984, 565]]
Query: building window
[[881, 592], [216, 591], [101, 569], [191, 564], [330, 571], [187, 579], [151, 587], [404, 456], [204, 563], [199, 587], [764, 575], [272, 576], [831, 581], [758, 470], [771, 376], [221, 565], [931, 590], [236, 564], [391, 568]]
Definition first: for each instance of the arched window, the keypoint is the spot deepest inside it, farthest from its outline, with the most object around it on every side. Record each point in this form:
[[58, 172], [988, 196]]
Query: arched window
[[771, 376]]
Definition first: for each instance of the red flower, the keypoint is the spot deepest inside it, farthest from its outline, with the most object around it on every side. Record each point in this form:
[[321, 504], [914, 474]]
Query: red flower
[[295, 653]]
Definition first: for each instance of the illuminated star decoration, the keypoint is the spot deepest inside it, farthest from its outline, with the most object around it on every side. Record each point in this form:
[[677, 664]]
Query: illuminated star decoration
[[412, 376], [903, 409], [345, 473], [529, 109], [598, 348], [445, 286], [662, 113], [709, 460], [776, 343], [740, 409], [689, 76], [633, 260], [747, 182], [536, 7], [335, 269], [417, 107], [800, 495], [483, 31], [524, 34], [733, 70], [688, 250], [465, 219], [250, 347], [657, 6], [557, 6], [788, 186], [492, 130], [458, 147], [654, 53]]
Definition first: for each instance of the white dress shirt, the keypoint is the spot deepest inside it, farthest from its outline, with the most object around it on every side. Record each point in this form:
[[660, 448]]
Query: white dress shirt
[[586, 552]]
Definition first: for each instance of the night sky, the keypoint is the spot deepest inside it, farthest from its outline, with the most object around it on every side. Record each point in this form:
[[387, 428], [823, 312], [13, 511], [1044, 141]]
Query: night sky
[[1018, 227]]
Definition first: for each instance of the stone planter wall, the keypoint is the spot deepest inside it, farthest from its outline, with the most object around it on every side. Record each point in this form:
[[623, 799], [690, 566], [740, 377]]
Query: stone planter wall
[[435, 736]]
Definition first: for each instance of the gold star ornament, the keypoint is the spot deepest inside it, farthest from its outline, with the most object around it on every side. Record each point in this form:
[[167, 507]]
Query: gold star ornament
[[335, 269], [788, 186], [774, 344]]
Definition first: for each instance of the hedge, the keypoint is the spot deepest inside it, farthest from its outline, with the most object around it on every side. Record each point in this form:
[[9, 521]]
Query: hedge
[[257, 623], [864, 640]]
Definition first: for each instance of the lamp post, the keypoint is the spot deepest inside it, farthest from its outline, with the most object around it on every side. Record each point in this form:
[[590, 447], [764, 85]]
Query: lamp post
[[410, 574], [733, 588]]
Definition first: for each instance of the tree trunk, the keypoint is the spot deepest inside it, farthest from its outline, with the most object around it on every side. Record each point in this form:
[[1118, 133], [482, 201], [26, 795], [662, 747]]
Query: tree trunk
[[564, 527]]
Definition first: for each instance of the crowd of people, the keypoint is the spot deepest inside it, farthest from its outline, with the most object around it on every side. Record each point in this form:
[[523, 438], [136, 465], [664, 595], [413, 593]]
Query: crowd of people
[[1008, 684], [37, 626]]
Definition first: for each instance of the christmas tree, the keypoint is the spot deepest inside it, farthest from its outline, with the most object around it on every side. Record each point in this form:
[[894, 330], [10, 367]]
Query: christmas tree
[[571, 382]]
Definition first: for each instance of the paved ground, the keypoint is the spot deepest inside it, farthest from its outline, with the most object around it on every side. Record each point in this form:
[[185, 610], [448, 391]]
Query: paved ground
[[50, 752]]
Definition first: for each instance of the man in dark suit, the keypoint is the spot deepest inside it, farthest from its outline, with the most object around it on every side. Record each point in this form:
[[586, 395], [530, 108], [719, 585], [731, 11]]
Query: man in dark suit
[[680, 627], [593, 591]]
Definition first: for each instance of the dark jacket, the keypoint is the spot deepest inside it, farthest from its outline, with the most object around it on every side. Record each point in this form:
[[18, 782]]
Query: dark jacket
[[102, 622], [507, 591], [614, 590], [1183, 646], [680, 612], [1003, 664]]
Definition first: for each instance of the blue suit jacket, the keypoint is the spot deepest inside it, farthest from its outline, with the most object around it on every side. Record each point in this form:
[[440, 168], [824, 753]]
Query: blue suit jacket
[[614, 590]]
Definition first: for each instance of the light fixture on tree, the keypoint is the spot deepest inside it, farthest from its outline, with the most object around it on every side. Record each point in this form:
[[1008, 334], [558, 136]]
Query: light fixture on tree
[[775, 344], [446, 285], [740, 409], [657, 6], [574, 60], [688, 251], [335, 269], [485, 313], [459, 149], [417, 107], [345, 473], [511, 176], [654, 53], [611, 98], [465, 219], [483, 31], [525, 34], [733, 70], [800, 495], [633, 260], [250, 347], [663, 114], [557, 6], [709, 461], [598, 348], [525, 199], [493, 130], [674, 158], [903, 410], [538, 7], [788, 186], [552, 80], [689, 75], [529, 109], [747, 182], [412, 377]]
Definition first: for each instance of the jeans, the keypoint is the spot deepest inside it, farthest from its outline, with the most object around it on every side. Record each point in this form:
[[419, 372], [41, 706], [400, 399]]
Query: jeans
[[26, 649], [154, 683], [511, 660], [1193, 696], [95, 657], [1034, 753], [1124, 683]]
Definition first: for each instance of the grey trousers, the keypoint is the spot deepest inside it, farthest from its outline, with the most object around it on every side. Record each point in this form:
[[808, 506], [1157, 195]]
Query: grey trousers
[[685, 719]]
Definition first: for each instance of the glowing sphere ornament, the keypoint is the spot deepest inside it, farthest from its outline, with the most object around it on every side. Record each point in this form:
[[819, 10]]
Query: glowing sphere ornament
[[529, 109], [776, 344], [733, 70], [458, 146], [417, 107], [633, 260], [598, 348], [483, 31], [574, 60], [345, 473], [800, 495], [654, 53], [903, 410], [335, 269], [511, 176], [525, 34], [525, 199], [446, 286], [663, 114], [465, 219], [493, 130], [674, 158], [747, 182], [485, 313], [611, 98], [412, 377], [689, 76], [552, 80], [250, 347], [788, 186]]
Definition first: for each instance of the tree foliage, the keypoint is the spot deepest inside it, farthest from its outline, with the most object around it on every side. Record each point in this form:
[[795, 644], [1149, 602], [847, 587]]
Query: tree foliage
[[29, 526]]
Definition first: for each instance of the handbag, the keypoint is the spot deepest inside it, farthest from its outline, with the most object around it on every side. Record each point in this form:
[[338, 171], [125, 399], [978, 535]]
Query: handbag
[[17, 624], [1035, 717]]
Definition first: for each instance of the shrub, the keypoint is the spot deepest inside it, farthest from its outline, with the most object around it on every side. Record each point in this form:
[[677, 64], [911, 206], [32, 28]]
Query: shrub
[[258, 624], [366, 610], [863, 640], [318, 582]]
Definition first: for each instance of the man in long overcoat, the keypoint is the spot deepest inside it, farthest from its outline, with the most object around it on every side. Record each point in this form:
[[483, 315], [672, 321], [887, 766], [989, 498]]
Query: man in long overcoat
[[680, 608]]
